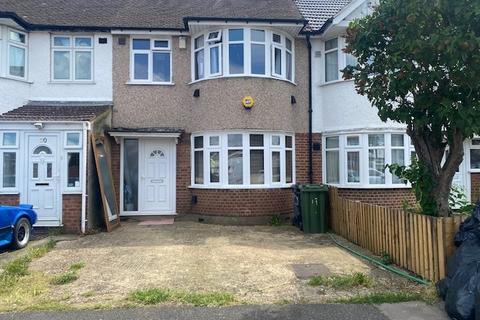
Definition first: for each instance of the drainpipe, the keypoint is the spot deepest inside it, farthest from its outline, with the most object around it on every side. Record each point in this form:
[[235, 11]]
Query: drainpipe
[[86, 127], [310, 111]]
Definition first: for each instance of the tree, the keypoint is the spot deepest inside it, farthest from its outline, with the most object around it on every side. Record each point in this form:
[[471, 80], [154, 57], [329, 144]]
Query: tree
[[419, 64]]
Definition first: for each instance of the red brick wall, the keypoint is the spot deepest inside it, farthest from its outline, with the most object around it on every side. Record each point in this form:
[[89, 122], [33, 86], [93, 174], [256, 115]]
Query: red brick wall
[[183, 175], [71, 212], [9, 199], [381, 197]]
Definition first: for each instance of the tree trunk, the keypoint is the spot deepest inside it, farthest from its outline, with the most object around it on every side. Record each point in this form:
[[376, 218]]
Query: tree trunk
[[441, 167]]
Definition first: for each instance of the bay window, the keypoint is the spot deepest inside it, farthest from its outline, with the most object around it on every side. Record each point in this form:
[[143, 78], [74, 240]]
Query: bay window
[[359, 159], [17, 54], [151, 61], [8, 160], [72, 58], [248, 52], [242, 159]]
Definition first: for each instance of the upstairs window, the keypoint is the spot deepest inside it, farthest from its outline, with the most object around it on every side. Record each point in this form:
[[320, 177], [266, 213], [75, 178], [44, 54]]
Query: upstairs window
[[17, 54], [151, 60], [331, 60], [72, 58], [242, 52]]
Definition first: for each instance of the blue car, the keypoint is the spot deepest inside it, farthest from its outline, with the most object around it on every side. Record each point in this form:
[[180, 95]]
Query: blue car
[[16, 225]]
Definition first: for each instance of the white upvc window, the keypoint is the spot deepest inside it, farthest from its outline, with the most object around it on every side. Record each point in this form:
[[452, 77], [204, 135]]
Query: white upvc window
[[240, 51], [151, 61], [73, 169], [17, 54], [243, 160], [8, 161], [331, 60], [474, 154], [359, 159], [72, 58]]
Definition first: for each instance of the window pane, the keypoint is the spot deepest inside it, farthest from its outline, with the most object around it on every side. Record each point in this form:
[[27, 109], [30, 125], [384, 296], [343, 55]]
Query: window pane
[[73, 139], [199, 65], [476, 142], [42, 149], [256, 140], [198, 142], [351, 60], [9, 139], [288, 142], [258, 58], [376, 166], [235, 140], [213, 35], [331, 44], [17, 36], [161, 66], [9, 165], [257, 167], [235, 35], [353, 141], [160, 43], [331, 66], [475, 158], [275, 140], [83, 42], [214, 140], [258, 35], [397, 140], [398, 157], [130, 175], [353, 166], [49, 170], [275, 166], [376, 140], [141, 44], [235, 167], [61, 65], [236, 58], [73, 169], [277, 60], [198, 159], [277, 38], [215, 60], [289, 66], [332, 167], [61, 41], [214, 166], [288, 166], [140, 66], [83, 65], [288, 44], [199, 42], [17, 61], [332, 142]]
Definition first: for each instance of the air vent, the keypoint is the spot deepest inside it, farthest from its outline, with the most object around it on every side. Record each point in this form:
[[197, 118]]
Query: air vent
[[122, 41], [318, 54], [102, 40]]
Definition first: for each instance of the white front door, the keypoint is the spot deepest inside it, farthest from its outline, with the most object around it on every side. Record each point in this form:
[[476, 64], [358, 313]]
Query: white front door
[[43, 174], [157, 175]]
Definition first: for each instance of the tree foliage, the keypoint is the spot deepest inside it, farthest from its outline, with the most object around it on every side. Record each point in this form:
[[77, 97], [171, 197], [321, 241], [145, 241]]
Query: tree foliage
[[419, 64]]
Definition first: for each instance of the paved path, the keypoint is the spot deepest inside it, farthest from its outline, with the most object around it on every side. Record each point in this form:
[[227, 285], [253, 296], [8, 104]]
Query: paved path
[[290, 312]]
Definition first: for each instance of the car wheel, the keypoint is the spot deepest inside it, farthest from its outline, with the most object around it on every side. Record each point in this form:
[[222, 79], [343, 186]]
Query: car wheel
[[21, 233]]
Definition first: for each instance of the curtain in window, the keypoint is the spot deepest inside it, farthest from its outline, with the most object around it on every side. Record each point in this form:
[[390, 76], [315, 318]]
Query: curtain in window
[[333, 169]]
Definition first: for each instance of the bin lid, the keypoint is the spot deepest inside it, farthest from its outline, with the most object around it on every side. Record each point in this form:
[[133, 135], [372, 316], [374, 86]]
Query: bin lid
[[314, 188]]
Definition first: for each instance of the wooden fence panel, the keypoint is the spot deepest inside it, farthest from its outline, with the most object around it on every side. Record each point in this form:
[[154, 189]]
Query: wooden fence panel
[[415, 242]]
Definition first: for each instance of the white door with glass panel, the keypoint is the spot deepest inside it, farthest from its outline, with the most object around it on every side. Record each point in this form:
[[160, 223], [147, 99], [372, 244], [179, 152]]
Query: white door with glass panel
[[43, 188], [155, 182]]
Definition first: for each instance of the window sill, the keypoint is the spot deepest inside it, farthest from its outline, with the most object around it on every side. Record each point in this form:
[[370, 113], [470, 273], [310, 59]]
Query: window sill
[[241, 76], [326, 84], [138, 83], [16, 79], [372, 186], [7, 192], [79, 192], [239, 187], [73, 82]]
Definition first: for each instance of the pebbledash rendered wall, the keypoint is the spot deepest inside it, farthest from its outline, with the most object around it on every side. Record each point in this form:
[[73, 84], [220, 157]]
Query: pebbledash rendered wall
[[218, 108]]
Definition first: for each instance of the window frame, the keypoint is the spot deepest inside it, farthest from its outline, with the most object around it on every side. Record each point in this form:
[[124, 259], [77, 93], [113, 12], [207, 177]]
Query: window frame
[[72, 49], [150, 52], [471, 147], [2, 146], [72, 149], [364, 148], [20, 45], [9, 149], [329, 51], [66, 146], [223, 149], [247, 54]]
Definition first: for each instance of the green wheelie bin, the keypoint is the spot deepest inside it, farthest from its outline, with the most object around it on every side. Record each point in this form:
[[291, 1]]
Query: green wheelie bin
[[313, 201]]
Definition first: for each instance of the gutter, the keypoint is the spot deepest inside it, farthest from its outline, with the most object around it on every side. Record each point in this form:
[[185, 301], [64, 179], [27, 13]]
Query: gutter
[[310, 112]]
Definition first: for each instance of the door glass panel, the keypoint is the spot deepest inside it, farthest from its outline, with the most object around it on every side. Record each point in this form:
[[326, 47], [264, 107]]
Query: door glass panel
[[49, 170], [35, 171], [42, 149], [130, 175]]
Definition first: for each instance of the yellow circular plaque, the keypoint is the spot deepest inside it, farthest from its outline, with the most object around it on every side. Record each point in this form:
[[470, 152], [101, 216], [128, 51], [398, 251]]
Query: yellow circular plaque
[[248, 102]]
